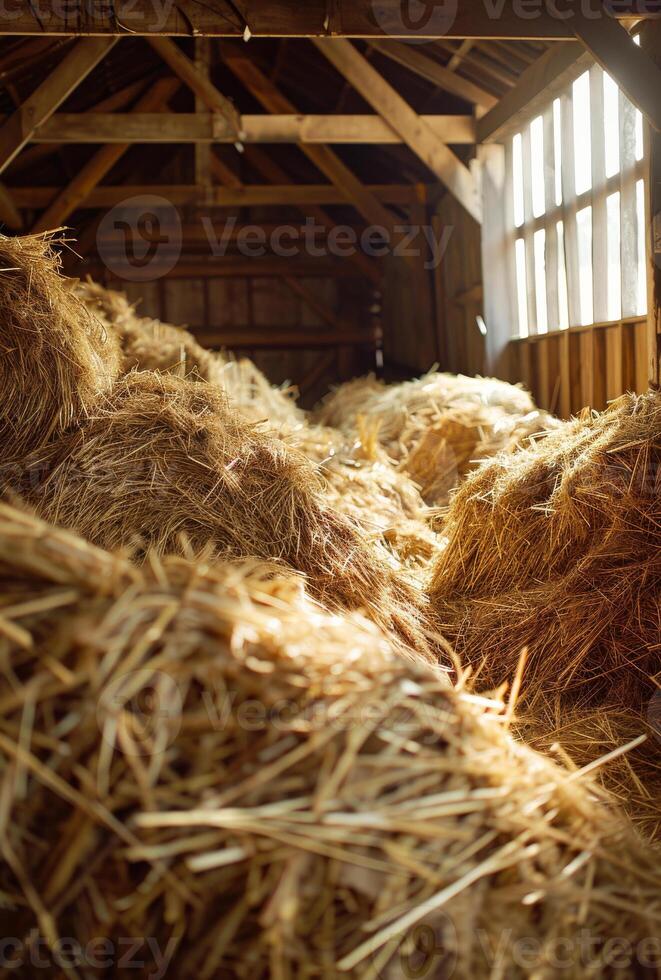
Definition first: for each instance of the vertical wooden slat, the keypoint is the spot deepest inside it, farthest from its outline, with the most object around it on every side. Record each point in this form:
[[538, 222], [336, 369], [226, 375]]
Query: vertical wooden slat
[[544, 381], [628, 353], [651, 43], [565, 353], [599, 369], [599, 216], [575, 363], [569, 200], [587, 350], [614, 373], [642, 357]]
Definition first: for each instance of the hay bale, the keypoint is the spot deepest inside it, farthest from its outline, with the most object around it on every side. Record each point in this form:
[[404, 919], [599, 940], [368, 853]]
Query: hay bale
[[55, 357], [557, 549], [438, 427], [151, 345], [266, 789], [167, 465]]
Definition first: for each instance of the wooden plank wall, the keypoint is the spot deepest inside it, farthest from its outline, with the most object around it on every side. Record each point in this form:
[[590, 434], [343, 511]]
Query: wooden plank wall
[[265, 305], [583, 366]]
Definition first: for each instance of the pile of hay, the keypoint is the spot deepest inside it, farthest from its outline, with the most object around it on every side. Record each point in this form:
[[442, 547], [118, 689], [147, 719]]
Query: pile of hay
[[151, 345], [55, 356], [557, 549], [204, 757], [167, 465], [438, 427], [147, 344], [361, 482]]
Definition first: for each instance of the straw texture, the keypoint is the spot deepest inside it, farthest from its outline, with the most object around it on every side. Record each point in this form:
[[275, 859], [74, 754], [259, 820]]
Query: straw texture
[[205, 757]]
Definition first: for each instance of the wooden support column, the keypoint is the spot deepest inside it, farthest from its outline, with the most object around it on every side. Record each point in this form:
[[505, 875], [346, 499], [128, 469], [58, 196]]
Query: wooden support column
[[499, 291], [650, 39], [403, 119], [76, 65], [101, 163], [202, 150]]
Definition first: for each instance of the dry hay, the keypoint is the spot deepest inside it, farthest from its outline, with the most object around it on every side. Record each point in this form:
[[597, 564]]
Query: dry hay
[[203, 756], [250, 391], [437, 427], [168, 465], [151, 345], [55, 356], [557, 549], [147, 344], [362, 482]]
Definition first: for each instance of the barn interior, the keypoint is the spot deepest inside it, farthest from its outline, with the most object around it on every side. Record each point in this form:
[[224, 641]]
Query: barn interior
[[330, 512]]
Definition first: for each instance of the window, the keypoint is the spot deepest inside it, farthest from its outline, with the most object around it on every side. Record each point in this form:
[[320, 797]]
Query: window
[[576, 213]]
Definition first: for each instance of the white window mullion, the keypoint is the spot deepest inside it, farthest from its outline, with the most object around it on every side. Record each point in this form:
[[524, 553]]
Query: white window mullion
[[599, 216], [628, 208], [552, 301], [529, 234], [569, 210]]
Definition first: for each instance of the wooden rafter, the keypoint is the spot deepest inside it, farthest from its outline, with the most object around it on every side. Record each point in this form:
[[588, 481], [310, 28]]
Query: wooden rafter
[[38, 151], [198, 81], [445, 78], [202, 127], [291, 18], [398, 114], [19, 128], [93, 172], [263, 89], [638, 76], [536, 86]]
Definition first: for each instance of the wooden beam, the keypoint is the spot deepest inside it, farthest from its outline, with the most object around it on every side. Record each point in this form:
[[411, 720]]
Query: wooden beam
[[263, 89], [38, 151], [93, 172], [256, 195], [538, 84], [262, 267], [291, 18], [181, 127], [636, 73], [443, 77], [19, 128], [197, 82], [404, 120], [282, 338]]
